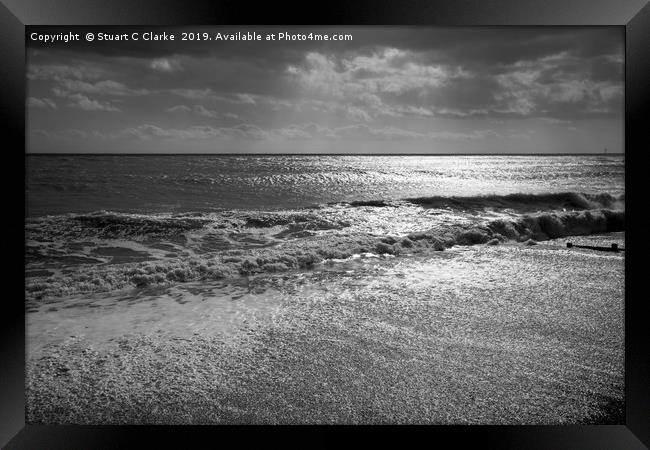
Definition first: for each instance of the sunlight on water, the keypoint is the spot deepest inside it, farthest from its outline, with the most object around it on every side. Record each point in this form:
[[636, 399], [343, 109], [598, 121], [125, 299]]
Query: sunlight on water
[[61, 184]]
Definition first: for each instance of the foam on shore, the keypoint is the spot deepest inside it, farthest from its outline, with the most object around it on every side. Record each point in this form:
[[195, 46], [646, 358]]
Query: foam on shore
[[306, 252]]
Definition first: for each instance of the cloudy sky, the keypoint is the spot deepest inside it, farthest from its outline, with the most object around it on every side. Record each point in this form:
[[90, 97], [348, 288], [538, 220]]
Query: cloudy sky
[[389, 90]]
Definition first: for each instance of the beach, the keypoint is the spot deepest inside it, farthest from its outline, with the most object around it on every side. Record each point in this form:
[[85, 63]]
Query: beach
[[398, 303], [465, 337]]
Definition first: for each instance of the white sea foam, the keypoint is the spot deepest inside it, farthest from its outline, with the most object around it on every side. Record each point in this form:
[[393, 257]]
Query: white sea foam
[[165, 249]]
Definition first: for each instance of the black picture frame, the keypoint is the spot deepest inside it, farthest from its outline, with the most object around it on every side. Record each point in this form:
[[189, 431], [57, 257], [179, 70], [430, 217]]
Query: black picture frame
[[633, 15]]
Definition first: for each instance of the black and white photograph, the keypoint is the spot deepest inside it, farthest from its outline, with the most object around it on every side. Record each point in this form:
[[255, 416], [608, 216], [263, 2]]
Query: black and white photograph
[[325, 225]]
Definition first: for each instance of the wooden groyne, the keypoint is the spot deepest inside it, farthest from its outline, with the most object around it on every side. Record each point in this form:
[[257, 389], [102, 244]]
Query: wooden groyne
[[612, 248]]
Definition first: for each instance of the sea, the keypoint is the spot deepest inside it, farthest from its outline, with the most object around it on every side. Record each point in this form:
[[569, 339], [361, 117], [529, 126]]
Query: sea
[[451, 270]]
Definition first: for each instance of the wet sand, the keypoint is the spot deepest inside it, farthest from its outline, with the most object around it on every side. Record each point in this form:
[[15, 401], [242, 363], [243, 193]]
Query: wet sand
[[505, 334]]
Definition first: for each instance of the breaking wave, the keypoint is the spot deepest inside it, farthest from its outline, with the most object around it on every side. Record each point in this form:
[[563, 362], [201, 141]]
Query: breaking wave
[[107, 224], [288, 249], [519, 201]]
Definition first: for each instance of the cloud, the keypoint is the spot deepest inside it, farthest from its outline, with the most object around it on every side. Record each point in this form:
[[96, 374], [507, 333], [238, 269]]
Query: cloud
[[548, 86], [390, 84], [386, 71], [71, 134], [201, 132], [80, 101], [357, 114], [192, 94], [365, 132], [394, 82], [33, 102], [245, 99], [62, 71], [76, 84], [373, 84], [178, 109], [308, 131], [209, 94], [105, 87], [165, 65], [201, 111], [554, 121]]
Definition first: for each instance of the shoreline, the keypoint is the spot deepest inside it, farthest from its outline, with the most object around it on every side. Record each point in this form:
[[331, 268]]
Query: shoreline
[[269, 243], [440, 346]]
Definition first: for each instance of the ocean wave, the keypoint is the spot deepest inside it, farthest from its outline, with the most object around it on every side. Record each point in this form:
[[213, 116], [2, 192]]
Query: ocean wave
[[115, 225], [522, 202], [107, 224], [112, 223], [294, 221], [315, 249]]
